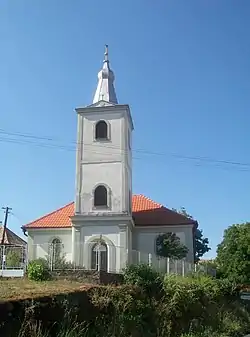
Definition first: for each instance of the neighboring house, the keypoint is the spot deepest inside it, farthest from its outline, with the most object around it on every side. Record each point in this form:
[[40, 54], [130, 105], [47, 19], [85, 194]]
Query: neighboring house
[[10, 238], [104, 212], [12, 252]]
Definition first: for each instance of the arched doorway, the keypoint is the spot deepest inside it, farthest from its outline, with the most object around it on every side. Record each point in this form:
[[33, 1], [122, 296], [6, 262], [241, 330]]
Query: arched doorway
[[99, 256]]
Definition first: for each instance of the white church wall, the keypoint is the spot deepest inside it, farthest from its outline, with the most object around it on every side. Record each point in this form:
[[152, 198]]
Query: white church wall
[[111, 235], [39, 240], [112, 149], [110, 174], [106, 162], [144, 238]]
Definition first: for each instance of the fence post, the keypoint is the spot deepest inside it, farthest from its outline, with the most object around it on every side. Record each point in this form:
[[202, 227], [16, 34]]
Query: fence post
[[168, 265], [183, 268], [3, 259], [51, 254], [99, 258], [150, 259]]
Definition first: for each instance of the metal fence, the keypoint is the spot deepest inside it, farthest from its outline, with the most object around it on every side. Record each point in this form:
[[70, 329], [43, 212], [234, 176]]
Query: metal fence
[[113, 259], [12, 260]]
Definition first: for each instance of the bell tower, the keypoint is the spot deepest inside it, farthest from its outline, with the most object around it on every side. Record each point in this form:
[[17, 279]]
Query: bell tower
[[104, 156]]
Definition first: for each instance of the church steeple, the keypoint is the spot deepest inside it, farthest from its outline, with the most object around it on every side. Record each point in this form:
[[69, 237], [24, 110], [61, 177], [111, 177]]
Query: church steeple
[[105, 89]]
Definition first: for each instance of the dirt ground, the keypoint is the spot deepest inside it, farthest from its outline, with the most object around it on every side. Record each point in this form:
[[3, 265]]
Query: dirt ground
[[23, 288]]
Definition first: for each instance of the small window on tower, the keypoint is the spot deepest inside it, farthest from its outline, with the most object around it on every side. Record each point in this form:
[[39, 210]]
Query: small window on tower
[[101, 196], [101, 130]]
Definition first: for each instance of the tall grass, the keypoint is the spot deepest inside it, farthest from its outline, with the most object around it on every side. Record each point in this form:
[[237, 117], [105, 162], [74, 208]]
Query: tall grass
[[149, 306], [35, 329]]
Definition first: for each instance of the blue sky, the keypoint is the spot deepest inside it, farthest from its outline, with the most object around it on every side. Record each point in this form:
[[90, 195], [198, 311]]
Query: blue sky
[[183, 66]]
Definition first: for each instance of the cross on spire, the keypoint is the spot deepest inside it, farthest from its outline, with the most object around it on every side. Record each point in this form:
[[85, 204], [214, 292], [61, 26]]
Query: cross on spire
[[105, 90], [106, 53]]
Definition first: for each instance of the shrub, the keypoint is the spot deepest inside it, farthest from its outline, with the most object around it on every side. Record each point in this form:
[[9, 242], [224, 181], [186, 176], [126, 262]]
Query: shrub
[[13, 259], [38, 270], [123, 311], [143, 276], [59, 263], [201, 301]]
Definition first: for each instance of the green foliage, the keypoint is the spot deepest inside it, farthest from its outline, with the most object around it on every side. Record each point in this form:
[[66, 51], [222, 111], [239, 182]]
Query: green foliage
[[38, 270], [59, 263], [201, 244], [169, 245], [209, 267], [124, 311], [197, 306], [233, 253], [200, 303], [13, 258], [143, 276]]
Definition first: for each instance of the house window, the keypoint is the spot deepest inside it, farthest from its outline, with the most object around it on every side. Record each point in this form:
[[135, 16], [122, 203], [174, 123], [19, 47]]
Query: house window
[[101, 196], [101, 130]]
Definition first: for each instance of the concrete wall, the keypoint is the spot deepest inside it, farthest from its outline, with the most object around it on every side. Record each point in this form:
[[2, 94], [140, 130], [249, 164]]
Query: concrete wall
[[39, 240], [116, 236]]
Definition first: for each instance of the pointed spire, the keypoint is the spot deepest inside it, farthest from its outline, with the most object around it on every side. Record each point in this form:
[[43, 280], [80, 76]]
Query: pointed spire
[[105, 90], [106, 54]]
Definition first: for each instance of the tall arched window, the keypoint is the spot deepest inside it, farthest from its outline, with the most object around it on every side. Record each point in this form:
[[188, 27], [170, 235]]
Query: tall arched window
[[101, 196], [101, 130], [55, 252], [99, 256]]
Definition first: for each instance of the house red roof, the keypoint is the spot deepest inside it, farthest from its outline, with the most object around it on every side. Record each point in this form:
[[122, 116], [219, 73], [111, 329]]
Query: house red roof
[[146, 212]]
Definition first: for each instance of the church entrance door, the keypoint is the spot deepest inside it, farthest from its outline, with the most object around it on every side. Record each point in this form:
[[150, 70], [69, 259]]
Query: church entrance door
[[99, 256]]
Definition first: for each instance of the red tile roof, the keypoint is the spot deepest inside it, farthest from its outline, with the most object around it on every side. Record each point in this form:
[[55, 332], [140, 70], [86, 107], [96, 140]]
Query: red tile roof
[[146, 212]]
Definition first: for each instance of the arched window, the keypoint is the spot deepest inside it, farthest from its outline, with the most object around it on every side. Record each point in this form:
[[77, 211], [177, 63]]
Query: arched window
[[99, 256], [101, 196], [55, 252], [101, 130]]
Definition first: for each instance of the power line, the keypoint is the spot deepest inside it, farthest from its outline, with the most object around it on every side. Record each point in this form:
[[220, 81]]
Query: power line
[[34, 140]]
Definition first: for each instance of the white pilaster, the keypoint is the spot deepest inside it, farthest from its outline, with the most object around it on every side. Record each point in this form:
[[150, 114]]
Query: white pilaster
[[73, 244]]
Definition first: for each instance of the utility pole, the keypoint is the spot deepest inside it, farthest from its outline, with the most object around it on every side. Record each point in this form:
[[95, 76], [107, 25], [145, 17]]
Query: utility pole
[[7, 211]]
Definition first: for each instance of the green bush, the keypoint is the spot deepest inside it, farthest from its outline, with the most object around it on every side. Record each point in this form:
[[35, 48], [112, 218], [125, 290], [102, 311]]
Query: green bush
[[38, 270], [143, 276], [122, 311], [59, 263], [202, 302], [188, 307], [13, 259]]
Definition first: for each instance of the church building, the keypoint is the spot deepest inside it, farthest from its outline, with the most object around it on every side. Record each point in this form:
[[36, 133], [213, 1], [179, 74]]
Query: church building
[[106, 226]]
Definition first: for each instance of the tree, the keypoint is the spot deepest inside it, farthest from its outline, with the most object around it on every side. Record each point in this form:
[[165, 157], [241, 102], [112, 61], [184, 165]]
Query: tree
[[233, 253], [201, 244], [169, 245]]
